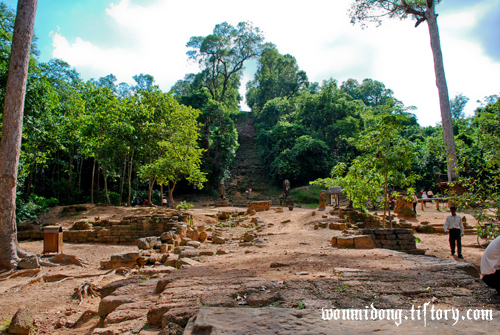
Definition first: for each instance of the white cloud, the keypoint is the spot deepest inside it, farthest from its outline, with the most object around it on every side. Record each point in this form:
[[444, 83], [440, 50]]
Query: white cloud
[[318, 33]]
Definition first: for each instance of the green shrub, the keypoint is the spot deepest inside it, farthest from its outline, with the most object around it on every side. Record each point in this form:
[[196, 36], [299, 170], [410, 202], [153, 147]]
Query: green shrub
[[306, 194], [114, 198], [34, 206]]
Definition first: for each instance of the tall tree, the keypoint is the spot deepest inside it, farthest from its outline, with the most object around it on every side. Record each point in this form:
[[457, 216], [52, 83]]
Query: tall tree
[[420, 10], [457, 105], [277, 76], [222, 55], [10, 144]]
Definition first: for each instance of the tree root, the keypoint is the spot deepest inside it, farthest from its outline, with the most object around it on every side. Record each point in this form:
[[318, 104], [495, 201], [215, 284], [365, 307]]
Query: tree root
[[86, 289], [43, 277], [69, 259], [19, 273]]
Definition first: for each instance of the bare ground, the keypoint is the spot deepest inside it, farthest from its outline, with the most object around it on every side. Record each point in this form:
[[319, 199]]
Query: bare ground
[[306, 255]]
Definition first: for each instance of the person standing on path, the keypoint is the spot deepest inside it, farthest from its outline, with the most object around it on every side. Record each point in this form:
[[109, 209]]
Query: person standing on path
[[454, 224], [415, 200], [490, 265]]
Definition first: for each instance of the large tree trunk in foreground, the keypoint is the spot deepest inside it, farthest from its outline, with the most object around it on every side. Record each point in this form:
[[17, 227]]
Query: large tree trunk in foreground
[[444, 99], [10, 144]]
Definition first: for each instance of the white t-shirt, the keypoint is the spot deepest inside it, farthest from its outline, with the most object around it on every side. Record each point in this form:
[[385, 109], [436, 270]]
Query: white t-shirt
[[490, 262], [454, 222]]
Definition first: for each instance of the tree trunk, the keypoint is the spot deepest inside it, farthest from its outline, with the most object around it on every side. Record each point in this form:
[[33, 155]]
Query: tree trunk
[[105, 176], [386, 202], [98, 184], [444, 99], [10, 144], [70, 167], [130, 177], [92, 187], [122, 180], [80, 173], [30, 180], [161, 195], [170, 194], [151, 183]]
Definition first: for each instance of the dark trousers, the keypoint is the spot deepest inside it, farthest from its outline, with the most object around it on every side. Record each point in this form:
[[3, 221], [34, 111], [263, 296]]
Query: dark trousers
[[456, 235], [493, 280], [415, 207]]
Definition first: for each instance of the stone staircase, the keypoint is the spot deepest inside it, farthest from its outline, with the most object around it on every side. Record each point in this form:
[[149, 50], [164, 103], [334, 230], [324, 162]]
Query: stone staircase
[[247, 170]]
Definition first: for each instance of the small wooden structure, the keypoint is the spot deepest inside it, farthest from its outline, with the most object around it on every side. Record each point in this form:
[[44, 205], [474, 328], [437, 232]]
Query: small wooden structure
[[53, 239], [333, 195]]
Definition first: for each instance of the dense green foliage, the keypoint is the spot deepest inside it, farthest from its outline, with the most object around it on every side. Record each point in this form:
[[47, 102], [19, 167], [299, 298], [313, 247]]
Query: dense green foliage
[[84, 136], [100, 141], [480, 163]]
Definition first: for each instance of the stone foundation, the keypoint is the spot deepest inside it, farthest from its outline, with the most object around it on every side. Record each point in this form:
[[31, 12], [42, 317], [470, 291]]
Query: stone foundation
[[259, 206], [125, 231], [222, 203], [394, 239], [361, 219]]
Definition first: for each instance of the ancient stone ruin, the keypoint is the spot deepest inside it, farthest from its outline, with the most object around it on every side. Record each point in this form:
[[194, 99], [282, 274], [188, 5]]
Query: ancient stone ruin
[[222, 200], [124, 231], [287, 201]]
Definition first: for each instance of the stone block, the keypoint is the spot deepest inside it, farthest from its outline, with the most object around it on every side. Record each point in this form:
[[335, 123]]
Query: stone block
[[345, 242], [218, 240], [363, 242], [187, 261], [334, 241], [222, 203], [388, 243], [259, 206], [22, 322], [202, 236], [147, 242]]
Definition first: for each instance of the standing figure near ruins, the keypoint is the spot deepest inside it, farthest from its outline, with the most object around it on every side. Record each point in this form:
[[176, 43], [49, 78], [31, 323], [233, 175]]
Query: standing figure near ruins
[[222, 191], [286, 189], [415, 201], [455, 226]]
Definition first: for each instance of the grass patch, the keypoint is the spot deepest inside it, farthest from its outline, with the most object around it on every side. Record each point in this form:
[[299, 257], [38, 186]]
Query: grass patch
[[312, 205], [306, 194], [4, 325]]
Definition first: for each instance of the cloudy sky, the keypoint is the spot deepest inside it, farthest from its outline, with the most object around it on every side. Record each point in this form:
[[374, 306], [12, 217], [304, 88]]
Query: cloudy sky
[[128, 37]]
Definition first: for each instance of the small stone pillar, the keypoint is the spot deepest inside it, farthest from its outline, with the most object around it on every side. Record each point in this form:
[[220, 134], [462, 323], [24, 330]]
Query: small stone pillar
[[322, 201]]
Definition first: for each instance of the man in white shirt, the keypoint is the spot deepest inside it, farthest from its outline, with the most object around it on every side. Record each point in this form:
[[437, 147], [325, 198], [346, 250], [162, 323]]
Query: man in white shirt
[[490, 265], [456, 227]]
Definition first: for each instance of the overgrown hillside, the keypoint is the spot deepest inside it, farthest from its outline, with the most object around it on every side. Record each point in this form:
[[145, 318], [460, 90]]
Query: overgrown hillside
[[247, 170]]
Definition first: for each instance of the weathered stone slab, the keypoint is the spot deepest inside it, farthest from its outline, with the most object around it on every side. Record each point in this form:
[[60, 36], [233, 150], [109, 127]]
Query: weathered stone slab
[[187, 261], [274, 320], [111, 302]]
